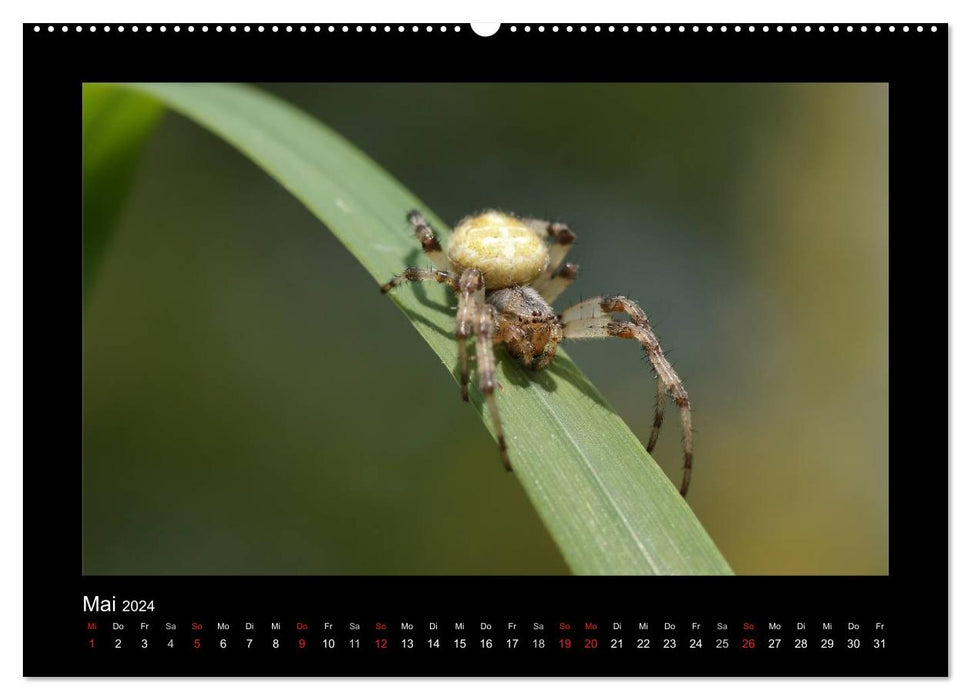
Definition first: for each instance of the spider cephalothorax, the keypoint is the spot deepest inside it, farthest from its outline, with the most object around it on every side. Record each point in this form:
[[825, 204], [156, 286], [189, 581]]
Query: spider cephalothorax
[[507, 272]]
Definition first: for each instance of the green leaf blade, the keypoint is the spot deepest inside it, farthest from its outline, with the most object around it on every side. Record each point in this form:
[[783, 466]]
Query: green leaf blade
[[115, 125], [608, 506]]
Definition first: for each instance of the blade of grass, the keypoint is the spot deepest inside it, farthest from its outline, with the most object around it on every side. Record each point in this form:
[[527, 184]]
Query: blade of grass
[[609, 507], [114, 124]]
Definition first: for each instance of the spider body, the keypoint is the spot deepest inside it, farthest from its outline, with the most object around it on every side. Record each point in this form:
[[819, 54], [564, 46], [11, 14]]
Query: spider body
[[505, 249], [527, 325], [506, 272]]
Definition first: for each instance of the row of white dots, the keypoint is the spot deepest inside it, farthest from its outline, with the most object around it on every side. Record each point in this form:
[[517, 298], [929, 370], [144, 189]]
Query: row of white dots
[[726, 28], [247, 28], [513, 28]]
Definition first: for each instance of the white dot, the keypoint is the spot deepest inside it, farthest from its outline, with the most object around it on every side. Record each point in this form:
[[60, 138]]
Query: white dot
[[751, 28], [330, 28], [122, 29], [849, 29], [360, 28], [162, 28], [779, 28], [64, 28], [526, 28], [681, 28], [906, 28], [36, 28], [892, 28], [50, 29], [626, 29], [836, 29], [667, 27], [765, 28], [710, 28], [246, 28], [415, 28], [877, 28], [457, 28], [610, 29], [694, 28], [653, 28], [596, 29], [737, 28], [543, 29], [583, 29], [260, 28], [933, 29], [344, 28], [443, 28], [724, 28], [373, 28], [205, 29], [77, 28], [401, 29], [317, 28], [808, 28], [134, 29], [863, 28], [793, 27], [176, 28], [289, 28], [920, 29], [512, 29], [640, 28]]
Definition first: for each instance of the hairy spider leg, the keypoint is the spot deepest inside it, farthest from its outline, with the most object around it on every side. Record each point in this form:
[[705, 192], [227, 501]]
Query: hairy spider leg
[[471, 299], [555, 279], [429, 241], [485, 359], [593, 318], [421, 274], [554, 286], [658, 415]]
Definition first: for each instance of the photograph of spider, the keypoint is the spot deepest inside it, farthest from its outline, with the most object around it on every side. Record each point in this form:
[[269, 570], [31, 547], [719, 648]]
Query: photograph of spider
[[253, 405], [507, 272]]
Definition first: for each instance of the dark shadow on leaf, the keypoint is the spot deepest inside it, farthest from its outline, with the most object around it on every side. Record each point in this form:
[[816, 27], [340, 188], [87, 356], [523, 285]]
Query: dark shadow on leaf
[[425, 321]]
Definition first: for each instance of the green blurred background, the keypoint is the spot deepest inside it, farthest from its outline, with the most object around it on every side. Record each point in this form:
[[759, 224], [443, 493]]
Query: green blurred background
[[253, 405]]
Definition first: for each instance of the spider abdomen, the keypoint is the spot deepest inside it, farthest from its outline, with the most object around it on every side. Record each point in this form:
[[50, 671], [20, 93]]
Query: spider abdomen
[[507, 250]]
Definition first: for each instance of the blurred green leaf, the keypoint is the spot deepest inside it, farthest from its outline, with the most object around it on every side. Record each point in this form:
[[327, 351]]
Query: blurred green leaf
[[608, 505], [115, 124]]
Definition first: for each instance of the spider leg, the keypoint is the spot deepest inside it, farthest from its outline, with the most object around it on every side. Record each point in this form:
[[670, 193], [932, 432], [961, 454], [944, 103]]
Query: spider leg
[[593, 319], [560, 238], [429, 241], [658, 415], [555, 279], [485, 359], [420, 274], [471, 300], [552, 287]]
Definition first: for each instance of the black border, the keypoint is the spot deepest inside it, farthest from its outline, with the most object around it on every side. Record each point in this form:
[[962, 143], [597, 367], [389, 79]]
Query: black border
[[912, 601]]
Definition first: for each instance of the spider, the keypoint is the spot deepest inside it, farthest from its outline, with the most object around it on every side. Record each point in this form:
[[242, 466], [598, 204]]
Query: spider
[[507, 271]]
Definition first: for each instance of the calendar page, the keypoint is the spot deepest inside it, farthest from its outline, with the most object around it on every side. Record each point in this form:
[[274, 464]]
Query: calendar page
[[448, 350]]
